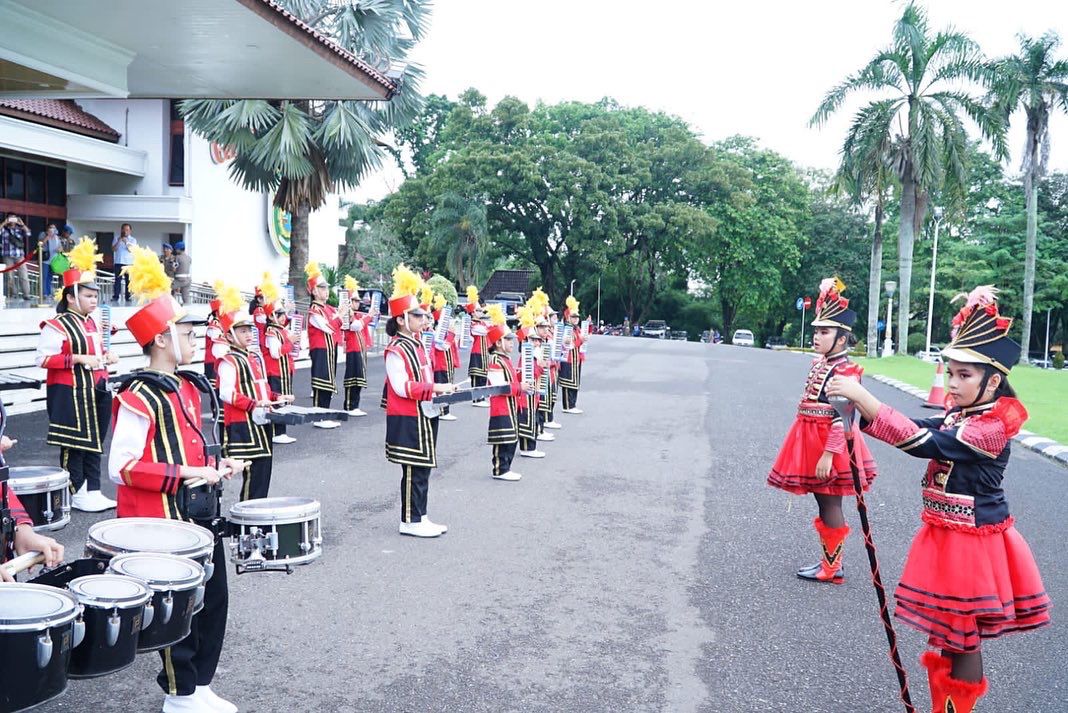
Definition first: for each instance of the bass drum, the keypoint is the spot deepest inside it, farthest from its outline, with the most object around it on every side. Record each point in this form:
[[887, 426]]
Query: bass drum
[[113, 611], [120, 536], [44, 491], [275, 534], [38, 629], [177, 586]]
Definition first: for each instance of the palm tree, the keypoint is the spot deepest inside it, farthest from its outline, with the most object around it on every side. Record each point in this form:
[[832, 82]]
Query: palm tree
[[458, 228], [919, 113], [303, 150], [1036, 82]]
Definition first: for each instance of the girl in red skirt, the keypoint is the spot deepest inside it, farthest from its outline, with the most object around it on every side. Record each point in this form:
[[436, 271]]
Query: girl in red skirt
[[813, 457], [969, 574]]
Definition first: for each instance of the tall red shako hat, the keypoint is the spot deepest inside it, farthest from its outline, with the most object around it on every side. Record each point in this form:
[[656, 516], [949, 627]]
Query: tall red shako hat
[[406, 288], [232, 309], [315, 276], [152, 288], [83, 258], [498, 328]]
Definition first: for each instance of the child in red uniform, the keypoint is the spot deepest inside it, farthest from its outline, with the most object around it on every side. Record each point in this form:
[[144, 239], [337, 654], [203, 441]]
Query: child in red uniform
[[969, 574], [504, 409], [25, 539], [277, 350], [357, 343], [813, 457], [324, 334]]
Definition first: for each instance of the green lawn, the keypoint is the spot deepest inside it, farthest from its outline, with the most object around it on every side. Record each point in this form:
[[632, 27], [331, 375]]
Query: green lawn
[[1043, 391]]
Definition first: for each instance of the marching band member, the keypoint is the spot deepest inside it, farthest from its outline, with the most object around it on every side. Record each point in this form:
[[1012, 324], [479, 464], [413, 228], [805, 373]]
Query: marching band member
[[571, 368], [324, 333], [277, 350], [504, 417], [215, 346], [411, 434], [476, 365], [527, 405], [969, 574], [813, 457], [546, 326], [78, 401], [26, 539], [357, 343], [445, 356], [246, 397], [159, 442]]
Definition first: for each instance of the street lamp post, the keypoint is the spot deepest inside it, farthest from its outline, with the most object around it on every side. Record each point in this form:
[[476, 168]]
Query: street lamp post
[[598, 302], [888, 344], [934, 261], [573, 288], [1045, 354]]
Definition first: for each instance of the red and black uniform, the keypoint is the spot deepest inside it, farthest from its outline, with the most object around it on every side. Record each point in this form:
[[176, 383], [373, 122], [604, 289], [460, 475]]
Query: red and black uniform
[[158, 429], [477, 361], [247, 433], [357, 343], [411, 434], [278, 359], [571, 371], [214, 346], [503, 412], [324, 334], [547, 405], [78, 402], [969, 574], [817, 428], [444, 360], [527, 411]]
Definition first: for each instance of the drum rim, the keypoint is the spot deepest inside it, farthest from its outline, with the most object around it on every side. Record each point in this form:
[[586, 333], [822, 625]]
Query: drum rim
[[160, 585], [309, 510], [96, 602], [58, 479], [40, 624], [95, 544]]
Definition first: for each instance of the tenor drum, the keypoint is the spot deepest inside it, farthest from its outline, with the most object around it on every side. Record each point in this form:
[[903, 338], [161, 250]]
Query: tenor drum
[[38, 629], [44, 491], [177, 586], [114, 610], [275, 533], [109, 538]]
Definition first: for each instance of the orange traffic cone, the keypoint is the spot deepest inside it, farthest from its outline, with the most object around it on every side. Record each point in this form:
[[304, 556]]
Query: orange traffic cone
[[937, 397]]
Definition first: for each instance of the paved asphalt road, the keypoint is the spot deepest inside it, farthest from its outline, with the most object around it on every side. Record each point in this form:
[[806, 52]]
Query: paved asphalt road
[[642, 566]]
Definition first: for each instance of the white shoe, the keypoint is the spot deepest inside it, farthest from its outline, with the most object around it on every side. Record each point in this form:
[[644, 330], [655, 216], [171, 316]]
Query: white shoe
[[357, 412], [326, 424], [91, 500], [443, 528], [283, 438], [532, 454], [187, 704], [510, 475], [206, 695], [546, 437], [447, 417], [480, 404], [573, 410], [423, 528], [553, 425]]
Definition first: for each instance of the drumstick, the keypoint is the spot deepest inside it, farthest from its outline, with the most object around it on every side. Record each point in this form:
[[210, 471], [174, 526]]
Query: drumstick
[[197, 482], [23, 562], [459, 383]]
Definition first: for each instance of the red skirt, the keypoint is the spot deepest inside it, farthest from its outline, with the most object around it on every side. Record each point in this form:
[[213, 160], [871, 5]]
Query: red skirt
[[795, 468], [961, 586]]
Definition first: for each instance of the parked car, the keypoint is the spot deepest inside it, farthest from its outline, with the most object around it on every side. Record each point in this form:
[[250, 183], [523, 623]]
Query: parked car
[[706, 336], [743, 338], [776, 343], [680, 335], [510, 301], [934, 356], [655, 329]]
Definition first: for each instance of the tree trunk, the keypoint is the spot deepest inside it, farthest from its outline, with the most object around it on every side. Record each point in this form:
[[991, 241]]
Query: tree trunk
[[906, 238], [1031, 193], [728, 313], [875, 278], [298, 250]]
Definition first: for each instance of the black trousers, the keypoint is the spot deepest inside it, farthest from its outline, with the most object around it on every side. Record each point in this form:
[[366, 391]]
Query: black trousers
[[503, 454], [122, 284], [321, 397], [83, 466], [193, 660], [527, 444], [442, 377], [541, 421], [569, 397], [415, 483], [352, 397], [257, 479], [275, 382]]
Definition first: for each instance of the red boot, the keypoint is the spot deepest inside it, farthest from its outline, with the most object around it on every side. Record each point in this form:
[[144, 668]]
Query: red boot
[[829, 568], [949, 695]]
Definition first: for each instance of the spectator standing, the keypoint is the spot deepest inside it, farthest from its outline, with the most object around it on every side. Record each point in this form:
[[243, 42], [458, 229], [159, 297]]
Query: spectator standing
[[123, 256], [14, 240], [168, 264], [66, 238], [51, 245], [183, 265]]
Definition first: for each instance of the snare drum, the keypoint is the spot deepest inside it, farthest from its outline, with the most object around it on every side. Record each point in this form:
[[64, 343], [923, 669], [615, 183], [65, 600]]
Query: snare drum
[[108, 538], [38, 628], [113, 611], [177, 586], [44, 491], [275, 533]]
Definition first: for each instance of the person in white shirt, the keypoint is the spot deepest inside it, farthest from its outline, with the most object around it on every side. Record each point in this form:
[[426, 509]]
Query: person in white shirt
[[120, 247]]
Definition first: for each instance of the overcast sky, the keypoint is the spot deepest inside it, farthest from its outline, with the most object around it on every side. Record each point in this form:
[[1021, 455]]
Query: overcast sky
[[757, 67]]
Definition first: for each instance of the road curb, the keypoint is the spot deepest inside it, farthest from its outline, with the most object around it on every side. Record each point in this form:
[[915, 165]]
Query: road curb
[[1047, 447]]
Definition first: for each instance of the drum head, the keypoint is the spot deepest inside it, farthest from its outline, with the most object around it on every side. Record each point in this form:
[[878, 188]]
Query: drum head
[[150, 534], [267, 511], [29, 479], [108, 591], [161, 572], [32, 607]]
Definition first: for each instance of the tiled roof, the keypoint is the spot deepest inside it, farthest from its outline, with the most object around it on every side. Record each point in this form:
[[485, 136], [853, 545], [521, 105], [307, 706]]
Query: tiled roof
[[507, 281], [62, 113], [324, 43]]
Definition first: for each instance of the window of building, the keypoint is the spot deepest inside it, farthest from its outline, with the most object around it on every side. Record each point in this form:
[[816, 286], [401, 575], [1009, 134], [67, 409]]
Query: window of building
[[35, 183], [14, 180], [56, 185], [176, 172], [103, 245]]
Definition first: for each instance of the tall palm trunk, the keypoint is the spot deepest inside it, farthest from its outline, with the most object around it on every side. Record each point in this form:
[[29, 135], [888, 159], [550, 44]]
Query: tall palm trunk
[[298, 248], [875, 278], [906, 239], [1031, 192]]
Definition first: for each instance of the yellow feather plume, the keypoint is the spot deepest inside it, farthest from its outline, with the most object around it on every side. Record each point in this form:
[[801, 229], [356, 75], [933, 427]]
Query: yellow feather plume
[[405, 282], [269, 288], [496, 314], [426, 294], [229, 297], [526, 316], [439, 302], [472, 294], [312, 269], [84, 255], [539, 299], [351, 285], [148, 279], [572, 304]]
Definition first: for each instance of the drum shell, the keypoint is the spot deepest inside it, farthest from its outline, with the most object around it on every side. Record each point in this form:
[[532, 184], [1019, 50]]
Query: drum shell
[[160, 634], [291, 537], [294, 523], [23, 683], [41, 490], [174, 600], [94, 656]]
